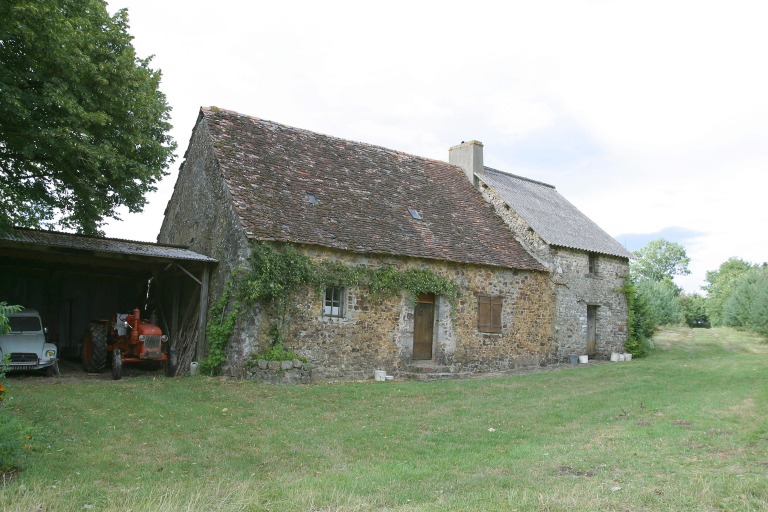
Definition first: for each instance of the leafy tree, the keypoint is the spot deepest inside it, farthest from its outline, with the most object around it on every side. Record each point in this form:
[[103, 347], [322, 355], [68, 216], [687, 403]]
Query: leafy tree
[[660, 259], [663, 301], [694, 308], [721, 284], [6, 310], [747, 306], [641, 322], [758, 310], [83, 125]]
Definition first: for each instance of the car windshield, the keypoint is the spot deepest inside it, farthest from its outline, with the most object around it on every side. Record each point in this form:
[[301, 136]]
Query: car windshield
[[24, 323]]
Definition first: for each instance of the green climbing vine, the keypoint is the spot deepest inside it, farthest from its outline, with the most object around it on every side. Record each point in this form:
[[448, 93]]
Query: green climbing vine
[[275, 275], [222, 318]]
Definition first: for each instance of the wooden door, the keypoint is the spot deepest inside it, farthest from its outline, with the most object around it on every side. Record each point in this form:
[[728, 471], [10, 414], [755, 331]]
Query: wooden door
[[423, 325], [591, 330]]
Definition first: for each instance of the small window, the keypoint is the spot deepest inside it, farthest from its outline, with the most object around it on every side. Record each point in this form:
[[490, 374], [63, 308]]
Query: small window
[[592, 263], [489, 314], [334, 302]]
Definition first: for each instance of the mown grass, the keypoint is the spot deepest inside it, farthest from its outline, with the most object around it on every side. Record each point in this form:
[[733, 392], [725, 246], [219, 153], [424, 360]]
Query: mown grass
[[684, 429]]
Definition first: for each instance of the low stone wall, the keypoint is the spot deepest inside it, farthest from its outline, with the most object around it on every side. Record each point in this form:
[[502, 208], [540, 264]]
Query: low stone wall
[[280, 372]]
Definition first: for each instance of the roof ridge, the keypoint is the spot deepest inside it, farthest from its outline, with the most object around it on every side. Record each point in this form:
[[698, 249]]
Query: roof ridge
[[486, 168], [216, 110]]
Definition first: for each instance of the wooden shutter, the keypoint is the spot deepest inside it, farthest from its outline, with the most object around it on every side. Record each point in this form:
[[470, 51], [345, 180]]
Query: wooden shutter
[[489, 314]]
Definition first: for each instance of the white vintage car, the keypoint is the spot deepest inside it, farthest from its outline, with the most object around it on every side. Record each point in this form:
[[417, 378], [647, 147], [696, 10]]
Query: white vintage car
[[25, 344]]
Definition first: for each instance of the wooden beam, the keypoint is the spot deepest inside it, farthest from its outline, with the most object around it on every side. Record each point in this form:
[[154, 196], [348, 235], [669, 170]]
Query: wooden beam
[[202, 319], [192, 275]]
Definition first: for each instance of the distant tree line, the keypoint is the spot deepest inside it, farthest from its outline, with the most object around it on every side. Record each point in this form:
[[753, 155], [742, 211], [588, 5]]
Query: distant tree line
[[737, 295]]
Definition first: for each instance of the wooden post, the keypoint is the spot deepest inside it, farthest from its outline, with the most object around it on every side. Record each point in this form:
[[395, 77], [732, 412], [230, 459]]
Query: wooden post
[[175, 311], [202, 319]]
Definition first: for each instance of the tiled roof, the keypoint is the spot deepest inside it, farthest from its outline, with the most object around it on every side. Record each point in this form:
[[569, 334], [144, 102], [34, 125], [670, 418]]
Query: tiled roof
[[101, 245], [361, 192], [550, 215]]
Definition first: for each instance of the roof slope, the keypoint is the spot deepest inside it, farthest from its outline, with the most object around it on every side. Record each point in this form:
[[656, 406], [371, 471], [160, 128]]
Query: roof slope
[[33, 237], [362, 195], [550, 215]]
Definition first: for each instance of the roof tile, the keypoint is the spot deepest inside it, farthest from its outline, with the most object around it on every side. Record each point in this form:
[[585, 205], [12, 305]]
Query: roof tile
[[550, 215], [363, 194]]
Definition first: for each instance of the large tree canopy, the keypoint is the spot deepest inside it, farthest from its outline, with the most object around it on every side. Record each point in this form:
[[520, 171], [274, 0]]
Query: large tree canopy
[[660, 260], [83, 124]]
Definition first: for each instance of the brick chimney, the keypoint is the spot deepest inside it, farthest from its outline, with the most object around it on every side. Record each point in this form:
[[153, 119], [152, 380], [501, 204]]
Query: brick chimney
[[468, 156]]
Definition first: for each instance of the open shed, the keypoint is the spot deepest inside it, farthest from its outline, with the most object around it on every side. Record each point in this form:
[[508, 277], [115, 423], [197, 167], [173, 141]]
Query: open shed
[[72, 280]]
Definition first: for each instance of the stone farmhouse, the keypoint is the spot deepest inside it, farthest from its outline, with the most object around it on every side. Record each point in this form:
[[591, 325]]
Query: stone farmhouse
[[588, 267], [525, 297]]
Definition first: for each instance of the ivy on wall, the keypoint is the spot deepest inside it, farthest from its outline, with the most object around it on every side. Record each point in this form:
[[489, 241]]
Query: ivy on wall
[[275, 275]]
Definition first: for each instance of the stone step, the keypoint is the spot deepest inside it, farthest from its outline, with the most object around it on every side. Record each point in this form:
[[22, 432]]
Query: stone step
[[428, 368], [431, 372]]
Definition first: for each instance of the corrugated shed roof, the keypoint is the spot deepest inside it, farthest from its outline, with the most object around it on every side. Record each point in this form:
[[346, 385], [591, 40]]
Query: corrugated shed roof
[[101, 245], [362, 195], [550, 215]]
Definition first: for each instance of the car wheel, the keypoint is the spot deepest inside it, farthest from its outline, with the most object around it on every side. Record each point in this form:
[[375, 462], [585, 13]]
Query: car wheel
[[53, 370]]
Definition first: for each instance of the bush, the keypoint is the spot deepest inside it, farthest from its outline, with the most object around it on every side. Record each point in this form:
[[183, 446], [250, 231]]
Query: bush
[[641, 324], [12, 441], [663, 301], [278, 352], [12, 434], [748, 304], [695, 310]]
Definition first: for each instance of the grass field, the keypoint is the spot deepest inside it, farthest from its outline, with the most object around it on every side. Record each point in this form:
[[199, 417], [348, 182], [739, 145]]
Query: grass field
[[684, 429]]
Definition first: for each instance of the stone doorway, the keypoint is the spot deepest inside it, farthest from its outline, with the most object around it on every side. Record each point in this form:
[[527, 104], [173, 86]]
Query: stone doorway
[[423, 326]]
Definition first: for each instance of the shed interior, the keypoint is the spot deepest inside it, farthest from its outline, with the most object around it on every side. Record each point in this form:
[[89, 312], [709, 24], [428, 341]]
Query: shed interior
[[72, 280]]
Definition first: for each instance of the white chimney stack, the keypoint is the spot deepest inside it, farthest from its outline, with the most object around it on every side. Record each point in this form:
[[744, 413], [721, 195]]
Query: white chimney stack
[[468, 156]]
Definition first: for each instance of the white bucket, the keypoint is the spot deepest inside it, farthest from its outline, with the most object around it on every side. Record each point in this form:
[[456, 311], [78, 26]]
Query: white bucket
[[379, 375], [584, 359], [627, 356], [193, 370], [614, 356]]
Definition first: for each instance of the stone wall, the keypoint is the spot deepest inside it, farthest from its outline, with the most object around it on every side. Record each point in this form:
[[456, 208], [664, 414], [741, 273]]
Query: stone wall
[[575, 288], [200, 214], [376, 332]]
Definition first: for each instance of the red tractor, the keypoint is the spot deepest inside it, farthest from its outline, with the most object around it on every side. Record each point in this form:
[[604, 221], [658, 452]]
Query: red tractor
[[128, 339]]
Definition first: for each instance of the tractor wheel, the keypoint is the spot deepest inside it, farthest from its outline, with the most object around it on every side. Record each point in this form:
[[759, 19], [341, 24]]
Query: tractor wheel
[[95, 348], [117, 364]]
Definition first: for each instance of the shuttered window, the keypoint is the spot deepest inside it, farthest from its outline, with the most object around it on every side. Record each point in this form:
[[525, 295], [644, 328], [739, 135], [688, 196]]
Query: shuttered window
[[489, 314]]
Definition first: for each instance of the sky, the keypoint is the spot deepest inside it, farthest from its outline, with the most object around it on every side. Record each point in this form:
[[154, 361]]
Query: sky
[[650, 117]]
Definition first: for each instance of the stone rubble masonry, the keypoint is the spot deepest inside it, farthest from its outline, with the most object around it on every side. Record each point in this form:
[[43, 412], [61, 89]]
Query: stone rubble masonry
[[281, 372], [376, 332], [575, 288], [200, 214]]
